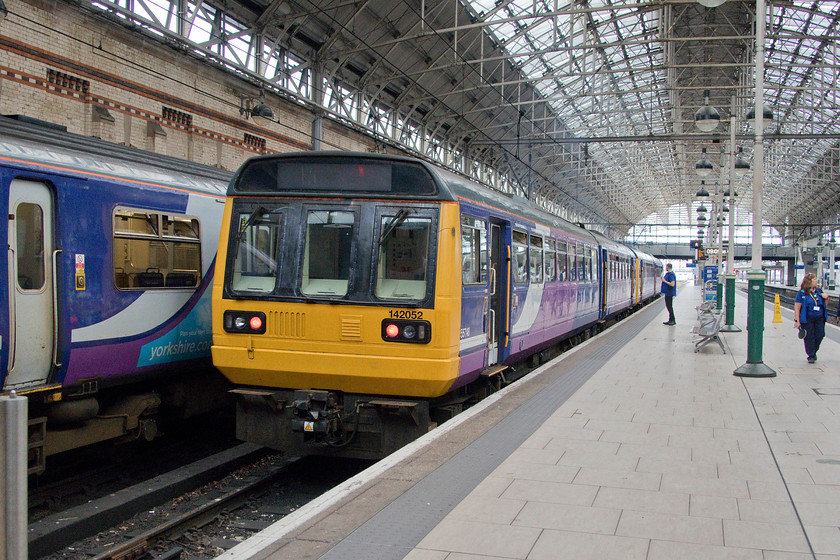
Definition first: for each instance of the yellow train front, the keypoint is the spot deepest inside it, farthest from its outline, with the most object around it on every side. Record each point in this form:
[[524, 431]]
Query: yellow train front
[[336, 305]]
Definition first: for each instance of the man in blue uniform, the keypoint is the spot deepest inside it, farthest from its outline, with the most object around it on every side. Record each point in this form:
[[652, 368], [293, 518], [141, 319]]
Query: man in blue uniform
[[669, 288]]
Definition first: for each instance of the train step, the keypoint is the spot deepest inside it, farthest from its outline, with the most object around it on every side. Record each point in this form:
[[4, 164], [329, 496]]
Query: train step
[[494, 370]]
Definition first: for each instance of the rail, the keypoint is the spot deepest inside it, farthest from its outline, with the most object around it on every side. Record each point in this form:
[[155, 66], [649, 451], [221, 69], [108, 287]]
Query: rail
[[196, 517]]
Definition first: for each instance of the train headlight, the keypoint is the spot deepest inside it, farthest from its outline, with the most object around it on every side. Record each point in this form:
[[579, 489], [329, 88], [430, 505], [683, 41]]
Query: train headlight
[[399, 330], [409, 331], [246, 322]]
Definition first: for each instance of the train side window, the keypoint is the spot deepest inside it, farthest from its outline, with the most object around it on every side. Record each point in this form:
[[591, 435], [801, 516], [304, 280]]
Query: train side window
[[550, 261], [593, 265], [573, 264], [29, 222], [520, 257], [536, 259], [403, 257], [473, 250], [587, 266], [256, 255], [327, 253], [562, 261], [581, 262], [155, 250]]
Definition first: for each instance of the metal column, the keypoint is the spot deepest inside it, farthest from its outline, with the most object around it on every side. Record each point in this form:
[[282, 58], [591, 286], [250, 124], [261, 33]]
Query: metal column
[[13, 483], [755, 366]]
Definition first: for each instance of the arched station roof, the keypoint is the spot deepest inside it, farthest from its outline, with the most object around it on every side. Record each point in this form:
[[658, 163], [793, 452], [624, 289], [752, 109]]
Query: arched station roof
[[586, 106]]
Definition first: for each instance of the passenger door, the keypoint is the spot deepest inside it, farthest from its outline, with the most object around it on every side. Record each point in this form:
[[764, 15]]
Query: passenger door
[[499, 331], [31, 283], [605, 267]]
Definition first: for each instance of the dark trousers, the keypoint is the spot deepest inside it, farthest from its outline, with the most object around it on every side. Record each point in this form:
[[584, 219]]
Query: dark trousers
[[815, 329], [669, 305]]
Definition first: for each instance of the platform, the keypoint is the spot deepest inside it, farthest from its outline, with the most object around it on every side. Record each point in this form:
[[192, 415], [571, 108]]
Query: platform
[[630, 446]]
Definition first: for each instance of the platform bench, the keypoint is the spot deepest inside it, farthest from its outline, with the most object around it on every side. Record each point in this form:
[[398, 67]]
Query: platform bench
[[709, 331]]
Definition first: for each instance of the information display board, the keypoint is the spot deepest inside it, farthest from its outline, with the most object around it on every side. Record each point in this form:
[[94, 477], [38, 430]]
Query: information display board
[[710, 282]]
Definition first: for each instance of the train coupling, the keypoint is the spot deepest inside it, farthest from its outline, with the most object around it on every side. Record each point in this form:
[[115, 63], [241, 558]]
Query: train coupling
[[317, 413]]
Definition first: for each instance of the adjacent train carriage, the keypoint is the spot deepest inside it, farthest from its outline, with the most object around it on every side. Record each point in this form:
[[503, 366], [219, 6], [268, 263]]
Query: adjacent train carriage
[[648, 273], [616, 275], [360, 297], [105, 293]]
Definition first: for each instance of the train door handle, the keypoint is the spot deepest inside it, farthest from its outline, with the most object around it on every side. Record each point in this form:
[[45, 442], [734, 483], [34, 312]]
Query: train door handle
[[12, 308], [492, 334], [55, 254], [492, 281]]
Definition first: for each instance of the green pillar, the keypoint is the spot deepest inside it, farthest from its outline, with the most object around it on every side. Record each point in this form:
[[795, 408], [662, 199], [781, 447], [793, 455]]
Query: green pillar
[[719, 296], [755, 367], [729, 325]]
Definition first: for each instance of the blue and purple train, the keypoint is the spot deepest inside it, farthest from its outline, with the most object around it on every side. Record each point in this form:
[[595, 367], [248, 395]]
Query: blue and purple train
[[359, 298], [105, 298]]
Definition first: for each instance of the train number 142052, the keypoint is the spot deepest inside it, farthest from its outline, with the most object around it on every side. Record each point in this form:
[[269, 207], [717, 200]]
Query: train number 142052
[[405, 314]]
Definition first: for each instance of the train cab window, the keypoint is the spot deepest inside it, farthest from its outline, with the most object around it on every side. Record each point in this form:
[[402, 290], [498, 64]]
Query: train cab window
[[520, 257], [536, 259], [256, 255], [562, 260], [327, 253], [403, 257], [473, 250], [550, 261], [29, 224], [155, 250]]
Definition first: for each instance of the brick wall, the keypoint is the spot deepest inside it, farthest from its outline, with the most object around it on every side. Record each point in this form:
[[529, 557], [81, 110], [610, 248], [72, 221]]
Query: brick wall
[[61, 64]]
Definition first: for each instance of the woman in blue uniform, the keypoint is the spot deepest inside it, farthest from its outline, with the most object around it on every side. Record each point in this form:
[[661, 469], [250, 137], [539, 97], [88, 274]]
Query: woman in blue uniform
[[811, 312]]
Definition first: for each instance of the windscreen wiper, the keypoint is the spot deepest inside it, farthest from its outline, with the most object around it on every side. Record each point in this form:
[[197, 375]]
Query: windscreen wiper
[[393, 224], [252, 219]]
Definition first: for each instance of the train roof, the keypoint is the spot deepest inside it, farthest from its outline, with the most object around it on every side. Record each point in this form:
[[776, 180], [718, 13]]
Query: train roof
[[613, 245], [464, 188], [645, 256], [36, 142], [261, 176]]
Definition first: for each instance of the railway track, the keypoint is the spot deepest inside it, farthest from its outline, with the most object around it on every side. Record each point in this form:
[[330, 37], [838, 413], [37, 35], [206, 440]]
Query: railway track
[[204, 521], [173, 529], [79, 476]]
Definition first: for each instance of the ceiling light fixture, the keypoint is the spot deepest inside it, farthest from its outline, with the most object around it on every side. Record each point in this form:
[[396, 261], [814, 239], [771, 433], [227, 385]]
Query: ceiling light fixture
[[703, 166], [768, 117], [706, 118]]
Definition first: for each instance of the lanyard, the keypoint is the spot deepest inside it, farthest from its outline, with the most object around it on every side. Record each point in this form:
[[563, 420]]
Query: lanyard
[[816, 300]]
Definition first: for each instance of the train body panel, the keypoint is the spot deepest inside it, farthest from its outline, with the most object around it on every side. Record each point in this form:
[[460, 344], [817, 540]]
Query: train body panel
[[390, 318], [106, 279]]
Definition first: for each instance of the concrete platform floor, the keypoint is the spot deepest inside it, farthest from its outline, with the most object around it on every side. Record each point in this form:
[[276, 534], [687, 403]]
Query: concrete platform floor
[[657, 453]]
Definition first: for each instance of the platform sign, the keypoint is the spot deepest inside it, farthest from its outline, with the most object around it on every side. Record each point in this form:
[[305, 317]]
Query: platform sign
[[710, 282]]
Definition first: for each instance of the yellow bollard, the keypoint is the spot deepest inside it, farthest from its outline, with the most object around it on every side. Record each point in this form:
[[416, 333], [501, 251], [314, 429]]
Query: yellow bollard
[[777, 310]]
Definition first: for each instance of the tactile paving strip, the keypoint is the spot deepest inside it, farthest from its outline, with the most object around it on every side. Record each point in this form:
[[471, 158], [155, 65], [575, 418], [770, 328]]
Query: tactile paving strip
[[393, 532]]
